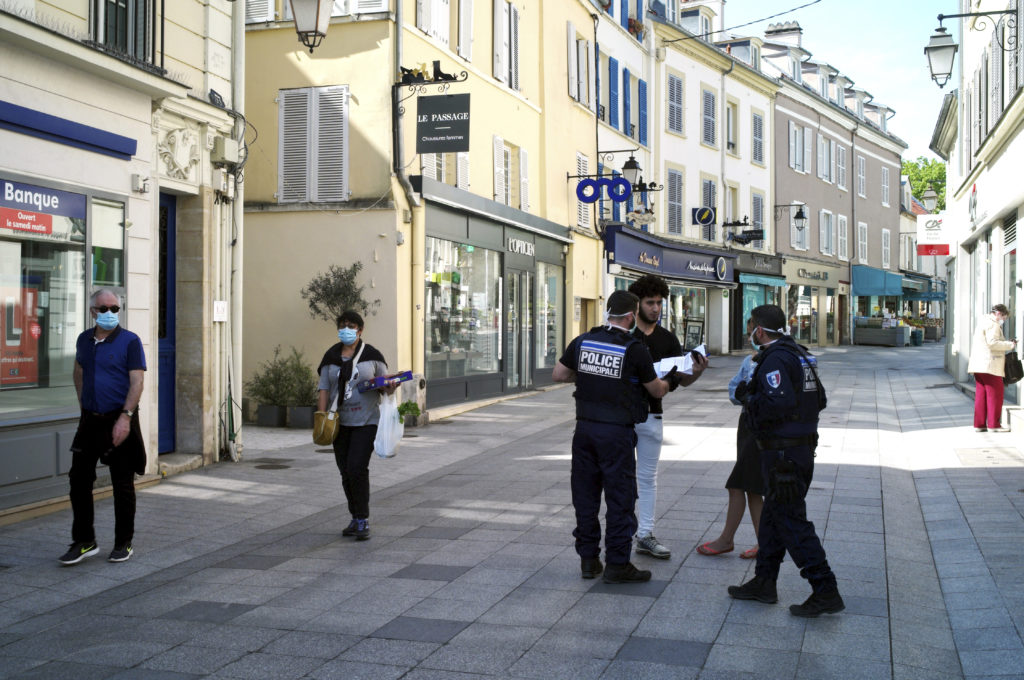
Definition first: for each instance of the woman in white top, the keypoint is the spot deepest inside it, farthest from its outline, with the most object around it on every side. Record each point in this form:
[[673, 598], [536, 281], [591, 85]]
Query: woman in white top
[[988, 356]]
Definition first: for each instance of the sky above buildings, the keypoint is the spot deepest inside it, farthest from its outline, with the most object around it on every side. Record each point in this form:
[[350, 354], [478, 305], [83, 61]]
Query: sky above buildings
[[877, 43]]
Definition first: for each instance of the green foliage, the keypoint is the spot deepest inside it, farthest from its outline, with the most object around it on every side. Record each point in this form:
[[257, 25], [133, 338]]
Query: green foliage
[[284, 381], [925, 171], [332, 292], [408, 408]]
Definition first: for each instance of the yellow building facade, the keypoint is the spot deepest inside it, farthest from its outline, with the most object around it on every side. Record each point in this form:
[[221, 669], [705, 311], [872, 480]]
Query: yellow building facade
[[473, 262]]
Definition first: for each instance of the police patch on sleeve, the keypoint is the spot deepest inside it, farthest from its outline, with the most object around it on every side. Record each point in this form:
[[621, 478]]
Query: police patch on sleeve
[[601, 359], [774, 379]]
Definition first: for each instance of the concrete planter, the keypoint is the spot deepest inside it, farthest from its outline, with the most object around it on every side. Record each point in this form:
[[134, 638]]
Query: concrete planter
[[270, 416], [300, 417]]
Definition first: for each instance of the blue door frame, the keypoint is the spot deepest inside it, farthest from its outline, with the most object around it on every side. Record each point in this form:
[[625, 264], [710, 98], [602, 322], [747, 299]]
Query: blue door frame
[[166, 333]]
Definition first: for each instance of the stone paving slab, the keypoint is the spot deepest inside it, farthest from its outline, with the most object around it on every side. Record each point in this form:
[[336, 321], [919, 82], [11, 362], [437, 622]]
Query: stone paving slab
[[240, 571]]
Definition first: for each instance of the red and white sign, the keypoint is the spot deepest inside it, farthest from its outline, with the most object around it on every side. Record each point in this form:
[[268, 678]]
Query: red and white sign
[[931, 236], [24, 220], [35, 330]]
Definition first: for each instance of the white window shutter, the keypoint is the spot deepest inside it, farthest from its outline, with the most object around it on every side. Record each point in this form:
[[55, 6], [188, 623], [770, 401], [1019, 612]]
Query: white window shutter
[[821, 155], [832, 160], [424, 20], [293, 145], [428, 165], [524, 181], [843, 228], [822, 244], [513, 41], [442, 15], [259, 10], [591, 77], [808, 148], [462, 170], [331, 149], [499, 169], [501, 40], [792, 145], [572, 53], [582, 209], [367, 6], [466, 29]]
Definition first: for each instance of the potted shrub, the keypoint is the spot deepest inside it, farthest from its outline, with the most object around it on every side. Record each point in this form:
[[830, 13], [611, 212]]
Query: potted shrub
[[303, 397], [409, 412], [271, 387]]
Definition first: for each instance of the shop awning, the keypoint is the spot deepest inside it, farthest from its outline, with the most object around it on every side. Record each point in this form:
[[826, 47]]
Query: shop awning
[[926, 296], [871, 281], [776, 281]]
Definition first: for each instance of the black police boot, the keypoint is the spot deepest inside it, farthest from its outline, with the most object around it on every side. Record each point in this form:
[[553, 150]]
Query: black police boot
[[625, 573], [820, 602], [757, 588], [590, 567]]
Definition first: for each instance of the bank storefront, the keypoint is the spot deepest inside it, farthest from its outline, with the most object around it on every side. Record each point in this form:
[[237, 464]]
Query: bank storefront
[[699, 279], [816, 301], [494, 298], [760, 282]]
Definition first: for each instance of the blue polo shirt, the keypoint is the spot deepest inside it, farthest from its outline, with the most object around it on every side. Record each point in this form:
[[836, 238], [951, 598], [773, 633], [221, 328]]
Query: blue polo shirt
[[105, 367]]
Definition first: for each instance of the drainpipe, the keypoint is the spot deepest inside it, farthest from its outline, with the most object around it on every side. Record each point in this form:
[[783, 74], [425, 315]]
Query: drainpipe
[[853, 220], [725, 106], [418, 217], [237, 216]]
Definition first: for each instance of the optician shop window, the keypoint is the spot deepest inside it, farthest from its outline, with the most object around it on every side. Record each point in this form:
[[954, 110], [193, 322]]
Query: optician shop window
[[463, 309], [49, 242], [550, 306]]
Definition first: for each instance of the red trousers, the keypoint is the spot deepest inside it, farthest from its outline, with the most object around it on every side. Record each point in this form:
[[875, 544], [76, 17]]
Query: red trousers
[[988, 400]]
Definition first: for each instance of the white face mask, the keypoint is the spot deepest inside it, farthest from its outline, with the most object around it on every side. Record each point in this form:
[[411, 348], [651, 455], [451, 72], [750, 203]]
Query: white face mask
[[753, 343]]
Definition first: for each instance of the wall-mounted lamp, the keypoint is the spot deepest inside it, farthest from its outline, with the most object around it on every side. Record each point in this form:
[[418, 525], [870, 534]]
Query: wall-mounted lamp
[[941, 48], [930, 198], [311, 20], [799, 219]]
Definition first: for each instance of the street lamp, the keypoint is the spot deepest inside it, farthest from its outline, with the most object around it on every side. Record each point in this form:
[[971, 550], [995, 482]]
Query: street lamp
[[799, 219], [311, 20], [631, 170], [942, 48], [930, 198]]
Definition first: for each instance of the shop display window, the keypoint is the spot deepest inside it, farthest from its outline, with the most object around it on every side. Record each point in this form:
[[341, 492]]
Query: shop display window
[[687, 312], [550, 309], [463, 310], [802, 311]]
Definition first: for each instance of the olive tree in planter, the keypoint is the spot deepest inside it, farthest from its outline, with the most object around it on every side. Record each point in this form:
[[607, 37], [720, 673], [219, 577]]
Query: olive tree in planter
[[271, 387], [332, 292]]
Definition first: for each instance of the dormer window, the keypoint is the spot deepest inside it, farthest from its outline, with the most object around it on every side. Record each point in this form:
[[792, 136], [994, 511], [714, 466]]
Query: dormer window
[[794, 69], [823, 83], [755, 57]]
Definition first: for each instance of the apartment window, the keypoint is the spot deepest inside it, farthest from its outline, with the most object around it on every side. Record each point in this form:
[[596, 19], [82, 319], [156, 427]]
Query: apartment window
[[796, 70], [885, 187], [506, 43], [823, 83], [861, 176], [582, 209], [435, 166], [674, 199], [339, 9], [731, 125], [800, 147], [755, 58], [313, 144], [433, 17], [511, 181], [581, 68], [826, 158], [841, 166], [641, 103], [613, 92], [757, 135], [675, 104], [466, 29], [126, 26], [757, 217], [709, 197], [826, 233], [627, 103], [886, 248], [862, 243], [798, 238], [708, 110], [842, 229]]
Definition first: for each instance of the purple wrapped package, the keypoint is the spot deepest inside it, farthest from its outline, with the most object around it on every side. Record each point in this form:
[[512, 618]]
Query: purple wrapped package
[[384, 380]]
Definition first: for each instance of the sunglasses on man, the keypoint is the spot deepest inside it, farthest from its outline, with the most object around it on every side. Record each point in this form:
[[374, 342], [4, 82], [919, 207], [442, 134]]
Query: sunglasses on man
[[105, 308]]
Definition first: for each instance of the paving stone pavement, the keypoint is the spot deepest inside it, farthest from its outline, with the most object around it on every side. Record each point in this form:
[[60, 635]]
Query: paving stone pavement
[[240, 570]]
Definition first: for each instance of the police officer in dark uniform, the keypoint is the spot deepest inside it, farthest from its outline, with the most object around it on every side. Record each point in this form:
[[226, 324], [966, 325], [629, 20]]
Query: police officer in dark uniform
[[782, 402], [614, 374]]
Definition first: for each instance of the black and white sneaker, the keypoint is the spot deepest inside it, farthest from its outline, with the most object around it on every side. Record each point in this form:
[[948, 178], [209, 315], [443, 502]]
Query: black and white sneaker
[[78, 552], [649, 545], [121, 553]]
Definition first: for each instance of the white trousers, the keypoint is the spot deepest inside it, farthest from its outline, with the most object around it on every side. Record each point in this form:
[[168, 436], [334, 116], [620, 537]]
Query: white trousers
[[648, 451]]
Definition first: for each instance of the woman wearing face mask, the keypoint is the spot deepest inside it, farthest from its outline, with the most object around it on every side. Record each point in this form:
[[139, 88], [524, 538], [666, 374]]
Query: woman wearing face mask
[[344, 365]]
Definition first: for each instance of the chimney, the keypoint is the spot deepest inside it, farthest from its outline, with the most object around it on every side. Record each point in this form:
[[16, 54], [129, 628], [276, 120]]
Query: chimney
[[788, 33]]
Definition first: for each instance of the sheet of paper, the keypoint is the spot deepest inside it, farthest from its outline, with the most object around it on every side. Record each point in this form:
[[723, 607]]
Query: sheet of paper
[[684, 363]]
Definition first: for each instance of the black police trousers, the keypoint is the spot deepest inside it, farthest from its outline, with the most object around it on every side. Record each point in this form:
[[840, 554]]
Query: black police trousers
[[784, 526], [603, 460]]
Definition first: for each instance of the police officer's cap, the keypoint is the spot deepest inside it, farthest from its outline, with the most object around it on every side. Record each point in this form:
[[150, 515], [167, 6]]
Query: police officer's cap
[[622, 302]]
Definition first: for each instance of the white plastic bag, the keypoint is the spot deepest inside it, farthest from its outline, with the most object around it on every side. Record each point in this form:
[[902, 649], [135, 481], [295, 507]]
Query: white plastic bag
[[390, 429]]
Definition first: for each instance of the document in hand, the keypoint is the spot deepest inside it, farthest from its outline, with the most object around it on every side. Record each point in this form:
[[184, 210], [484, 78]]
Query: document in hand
[[684, 363]]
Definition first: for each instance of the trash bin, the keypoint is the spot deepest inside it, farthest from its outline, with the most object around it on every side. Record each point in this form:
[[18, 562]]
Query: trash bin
[[916, 337]]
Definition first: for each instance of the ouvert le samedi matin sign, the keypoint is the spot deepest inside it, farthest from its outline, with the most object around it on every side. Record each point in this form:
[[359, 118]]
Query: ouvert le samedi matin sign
[[442, 123]]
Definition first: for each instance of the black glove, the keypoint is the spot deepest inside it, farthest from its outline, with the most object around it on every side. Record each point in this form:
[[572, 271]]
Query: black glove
[[673, 378], [784, 483], [742, 390]]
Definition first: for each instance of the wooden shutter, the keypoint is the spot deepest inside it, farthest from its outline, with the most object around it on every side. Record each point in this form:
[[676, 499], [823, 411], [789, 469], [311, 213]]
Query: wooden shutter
[[793, 162], [624, 13], [513, 42], [886, 248], [428, 165], [259, 10], [293, 145], [841, 163], [627, 103], [832, 146], [709, 198], [757, 218], [675, 104], [808, 148], [331, 145], [708, 117], [842, 229], [582, 209], [592, 91], [501, 41], [368, 6], [757, 126], [822, 236], [442, 16], [675, 202], [466, 29], [641, 104], [996, 75], [572, 54], [424, 15], [499, 169], [821, 156], [524, 181], [613, 92], [462, 170], [582, 77]]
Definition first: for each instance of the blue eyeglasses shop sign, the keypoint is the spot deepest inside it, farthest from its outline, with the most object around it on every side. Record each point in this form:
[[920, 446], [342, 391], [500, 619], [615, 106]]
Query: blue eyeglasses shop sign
[[442, 123], [589, 189]]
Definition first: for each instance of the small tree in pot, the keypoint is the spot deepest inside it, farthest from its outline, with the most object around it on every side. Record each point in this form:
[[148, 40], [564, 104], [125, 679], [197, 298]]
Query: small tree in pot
[[332, 292], [271, 387], [303, 397]]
